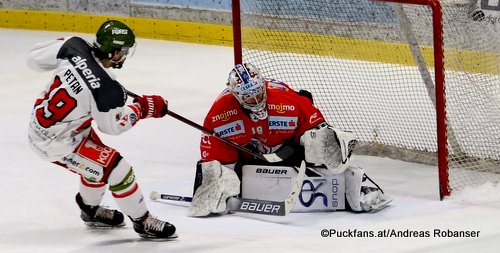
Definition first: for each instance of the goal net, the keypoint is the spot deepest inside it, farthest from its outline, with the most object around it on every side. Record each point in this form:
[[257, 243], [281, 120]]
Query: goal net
[[373, 69]]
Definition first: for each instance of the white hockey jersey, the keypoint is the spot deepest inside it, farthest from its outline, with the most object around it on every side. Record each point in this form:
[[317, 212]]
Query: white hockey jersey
[[81, 91]]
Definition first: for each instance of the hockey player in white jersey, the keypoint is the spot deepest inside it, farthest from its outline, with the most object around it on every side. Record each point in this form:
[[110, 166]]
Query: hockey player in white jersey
[[82, 91]]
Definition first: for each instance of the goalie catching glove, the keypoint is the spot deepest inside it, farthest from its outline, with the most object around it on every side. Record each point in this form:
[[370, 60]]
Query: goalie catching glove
[[329, 146], [152, 106]]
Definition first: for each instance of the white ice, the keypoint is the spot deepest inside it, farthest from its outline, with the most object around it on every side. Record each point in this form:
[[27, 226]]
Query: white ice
[[38, 212]]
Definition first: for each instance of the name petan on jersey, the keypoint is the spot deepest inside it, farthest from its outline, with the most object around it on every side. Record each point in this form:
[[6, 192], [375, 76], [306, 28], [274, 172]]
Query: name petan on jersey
[[72, 82], [230, 129]]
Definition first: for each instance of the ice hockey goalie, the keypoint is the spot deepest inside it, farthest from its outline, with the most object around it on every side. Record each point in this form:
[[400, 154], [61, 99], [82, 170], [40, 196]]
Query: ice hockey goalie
[[266, 115]]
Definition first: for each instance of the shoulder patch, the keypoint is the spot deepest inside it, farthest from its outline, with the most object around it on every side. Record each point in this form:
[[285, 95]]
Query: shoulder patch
[[274, 84], [108, 93]]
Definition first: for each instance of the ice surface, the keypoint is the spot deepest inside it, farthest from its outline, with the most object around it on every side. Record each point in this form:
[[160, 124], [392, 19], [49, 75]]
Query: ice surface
[[38, 212]]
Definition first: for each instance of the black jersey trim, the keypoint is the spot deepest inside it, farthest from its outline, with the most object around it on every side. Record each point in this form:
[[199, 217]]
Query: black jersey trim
[[108, 93]]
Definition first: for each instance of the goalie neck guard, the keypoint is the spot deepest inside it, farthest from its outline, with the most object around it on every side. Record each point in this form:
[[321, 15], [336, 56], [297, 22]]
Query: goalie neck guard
[[247, 85]]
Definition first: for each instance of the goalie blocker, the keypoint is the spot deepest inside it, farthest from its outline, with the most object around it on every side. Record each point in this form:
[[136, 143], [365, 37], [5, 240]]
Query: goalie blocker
[[321, 189]]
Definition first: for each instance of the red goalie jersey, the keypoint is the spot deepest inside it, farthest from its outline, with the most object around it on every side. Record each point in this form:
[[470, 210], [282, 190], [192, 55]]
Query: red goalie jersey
[[289, 116]]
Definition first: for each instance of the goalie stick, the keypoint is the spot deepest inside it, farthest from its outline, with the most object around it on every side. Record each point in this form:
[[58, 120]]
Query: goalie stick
[[255, 206], [280, 155]]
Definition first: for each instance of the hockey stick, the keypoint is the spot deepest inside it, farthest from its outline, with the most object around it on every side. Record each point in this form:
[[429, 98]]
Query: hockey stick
[[154, 195], [234, 204], [279, 156], [255, 206]]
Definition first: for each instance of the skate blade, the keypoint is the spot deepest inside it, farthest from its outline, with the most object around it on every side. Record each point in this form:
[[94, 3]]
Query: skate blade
[[159, 239], [100, 225], [381, 205]]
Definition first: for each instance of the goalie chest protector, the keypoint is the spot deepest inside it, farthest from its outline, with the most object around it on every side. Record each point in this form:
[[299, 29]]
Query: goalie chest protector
[[320, 191]]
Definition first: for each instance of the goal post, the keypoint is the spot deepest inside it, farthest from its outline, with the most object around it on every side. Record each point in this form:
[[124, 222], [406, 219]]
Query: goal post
[[416, 80]]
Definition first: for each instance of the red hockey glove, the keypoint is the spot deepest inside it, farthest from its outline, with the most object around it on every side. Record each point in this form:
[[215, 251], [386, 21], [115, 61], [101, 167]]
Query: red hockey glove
[[152, 106]]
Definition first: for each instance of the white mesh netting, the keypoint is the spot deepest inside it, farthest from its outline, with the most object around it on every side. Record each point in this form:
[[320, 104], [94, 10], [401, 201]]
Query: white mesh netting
[[356, 59]]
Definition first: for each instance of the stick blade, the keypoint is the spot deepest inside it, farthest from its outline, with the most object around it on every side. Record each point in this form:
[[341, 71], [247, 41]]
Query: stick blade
[[280, 155], [296, 188]]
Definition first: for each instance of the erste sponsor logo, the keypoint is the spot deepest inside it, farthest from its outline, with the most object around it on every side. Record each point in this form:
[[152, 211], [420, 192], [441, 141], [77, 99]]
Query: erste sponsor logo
[[230, 129], [282, 123]]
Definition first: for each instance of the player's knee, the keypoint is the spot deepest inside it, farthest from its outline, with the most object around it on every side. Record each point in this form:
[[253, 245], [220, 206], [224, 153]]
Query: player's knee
[[121, 177]]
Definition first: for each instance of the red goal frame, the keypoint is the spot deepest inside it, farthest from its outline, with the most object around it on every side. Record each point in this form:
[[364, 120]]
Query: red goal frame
[[435, 6]]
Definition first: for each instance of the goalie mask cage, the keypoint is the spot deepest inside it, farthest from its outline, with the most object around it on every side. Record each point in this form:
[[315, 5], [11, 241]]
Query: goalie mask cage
[[415, 80]]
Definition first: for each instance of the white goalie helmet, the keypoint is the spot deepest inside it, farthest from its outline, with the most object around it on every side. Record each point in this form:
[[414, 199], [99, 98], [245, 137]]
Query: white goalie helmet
[[248, 86]]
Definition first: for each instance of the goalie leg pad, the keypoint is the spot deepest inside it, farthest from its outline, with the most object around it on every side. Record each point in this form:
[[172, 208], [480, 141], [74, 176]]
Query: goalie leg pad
[[353, 180], [329, 146], [320, 189], [218, 184]]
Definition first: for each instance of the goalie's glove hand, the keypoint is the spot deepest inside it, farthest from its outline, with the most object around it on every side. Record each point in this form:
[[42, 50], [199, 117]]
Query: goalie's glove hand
[[152, 106]]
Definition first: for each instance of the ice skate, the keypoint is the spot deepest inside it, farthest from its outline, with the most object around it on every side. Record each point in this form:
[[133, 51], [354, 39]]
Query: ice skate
[[372, 199], [150, 227], [99, 216]]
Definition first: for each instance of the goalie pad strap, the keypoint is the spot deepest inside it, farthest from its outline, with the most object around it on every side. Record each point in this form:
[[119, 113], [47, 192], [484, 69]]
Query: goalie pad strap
[[218, 184]]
